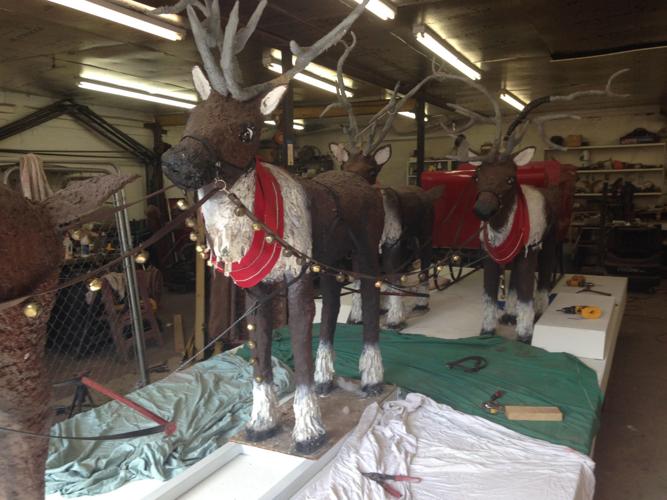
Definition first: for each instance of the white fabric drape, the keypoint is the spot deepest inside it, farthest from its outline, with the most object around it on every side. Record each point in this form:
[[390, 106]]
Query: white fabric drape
[[33, 179]]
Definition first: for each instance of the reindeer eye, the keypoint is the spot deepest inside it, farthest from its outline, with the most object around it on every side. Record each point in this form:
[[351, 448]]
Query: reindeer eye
[[510, 180], [247, 133]]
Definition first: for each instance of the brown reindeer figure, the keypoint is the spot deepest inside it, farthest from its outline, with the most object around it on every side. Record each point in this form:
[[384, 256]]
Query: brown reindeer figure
[[519, 223], [31, 254], [330, 217], [408, 210]]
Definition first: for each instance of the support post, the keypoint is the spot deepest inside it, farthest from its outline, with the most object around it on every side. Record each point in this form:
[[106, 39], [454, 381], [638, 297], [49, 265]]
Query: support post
[[288, 114], [125, 236], [420, 113]]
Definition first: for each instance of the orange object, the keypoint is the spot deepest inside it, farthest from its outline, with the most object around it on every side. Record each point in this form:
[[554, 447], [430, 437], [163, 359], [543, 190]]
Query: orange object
[[576, 280]]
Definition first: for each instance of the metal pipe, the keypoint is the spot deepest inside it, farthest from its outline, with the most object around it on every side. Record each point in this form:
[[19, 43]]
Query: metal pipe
[[125, 236], [61, 167]]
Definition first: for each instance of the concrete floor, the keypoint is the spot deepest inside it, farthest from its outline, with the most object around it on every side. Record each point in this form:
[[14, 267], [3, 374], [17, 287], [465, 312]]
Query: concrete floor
[[631, 448]]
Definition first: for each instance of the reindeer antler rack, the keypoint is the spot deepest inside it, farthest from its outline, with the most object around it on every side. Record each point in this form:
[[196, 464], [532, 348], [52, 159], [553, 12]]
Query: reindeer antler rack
[[225, 78]]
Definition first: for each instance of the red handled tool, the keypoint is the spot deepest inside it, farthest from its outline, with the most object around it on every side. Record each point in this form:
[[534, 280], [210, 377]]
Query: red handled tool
[[382, 479]]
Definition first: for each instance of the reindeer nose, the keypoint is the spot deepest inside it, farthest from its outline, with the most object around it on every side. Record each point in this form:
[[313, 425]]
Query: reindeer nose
[[485, 206]]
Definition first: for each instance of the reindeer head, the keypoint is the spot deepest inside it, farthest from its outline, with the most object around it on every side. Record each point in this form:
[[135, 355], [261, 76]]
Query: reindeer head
[[222, 134], [367, 166], [495, 175]]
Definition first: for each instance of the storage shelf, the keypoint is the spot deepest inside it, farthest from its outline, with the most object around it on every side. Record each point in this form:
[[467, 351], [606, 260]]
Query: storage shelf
[[611, 146], [617, 170], [592, 195]]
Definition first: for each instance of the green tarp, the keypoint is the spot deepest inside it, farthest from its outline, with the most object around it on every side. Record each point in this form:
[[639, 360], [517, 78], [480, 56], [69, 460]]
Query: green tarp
[[209, 403], [529, 375]]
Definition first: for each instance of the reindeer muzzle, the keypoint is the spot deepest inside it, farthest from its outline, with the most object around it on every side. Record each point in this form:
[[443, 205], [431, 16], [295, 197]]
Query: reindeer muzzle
[[188, 164], [486, 205]]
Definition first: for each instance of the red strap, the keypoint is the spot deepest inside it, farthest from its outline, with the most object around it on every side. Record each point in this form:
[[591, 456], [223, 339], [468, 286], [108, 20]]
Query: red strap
[[260, 258], [517, 237]]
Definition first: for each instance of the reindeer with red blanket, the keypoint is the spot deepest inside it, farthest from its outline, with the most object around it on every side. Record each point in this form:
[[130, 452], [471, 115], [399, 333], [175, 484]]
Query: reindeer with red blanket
[[519, 222], [323, 220]]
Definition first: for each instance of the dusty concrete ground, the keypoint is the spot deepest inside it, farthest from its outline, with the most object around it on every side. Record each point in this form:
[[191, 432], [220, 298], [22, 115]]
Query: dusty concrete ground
[[631, 449]]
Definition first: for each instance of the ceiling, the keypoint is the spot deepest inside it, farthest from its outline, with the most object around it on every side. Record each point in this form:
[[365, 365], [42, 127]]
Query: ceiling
[[44, 47]]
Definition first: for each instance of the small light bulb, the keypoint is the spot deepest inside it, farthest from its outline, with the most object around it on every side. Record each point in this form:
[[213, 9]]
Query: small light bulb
[[268, 239], [95, 285], [182, 204], [259, 379], [341, 278], [193, 236], [256, 226], [250, 327], [439, 268], [378, 284], [404, 278], [141, 257], [315, 268], [190, 222], [200, 248], [32, 310], [456, 258]]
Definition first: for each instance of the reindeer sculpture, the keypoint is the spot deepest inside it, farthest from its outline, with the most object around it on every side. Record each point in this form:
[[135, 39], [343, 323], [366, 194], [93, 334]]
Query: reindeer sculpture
[[519, 223], [31, 255], [328, 218], [408, 210]]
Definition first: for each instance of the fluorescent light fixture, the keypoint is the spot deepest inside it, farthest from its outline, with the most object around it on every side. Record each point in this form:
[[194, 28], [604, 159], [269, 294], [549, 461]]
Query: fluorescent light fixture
[[147, 87], [310, 80], [135, 95], [411, 115], [434, 45], [381, 9], [126, 17], [512, 100], [296, 124], [316, 69]]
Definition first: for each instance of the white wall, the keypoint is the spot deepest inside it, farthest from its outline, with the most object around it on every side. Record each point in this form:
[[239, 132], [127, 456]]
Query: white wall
[[598, 127], [64, 133]]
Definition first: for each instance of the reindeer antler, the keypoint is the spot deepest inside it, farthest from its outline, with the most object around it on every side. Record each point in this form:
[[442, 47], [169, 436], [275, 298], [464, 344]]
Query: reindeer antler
[[512, 139], [352, 129], [208, 35]]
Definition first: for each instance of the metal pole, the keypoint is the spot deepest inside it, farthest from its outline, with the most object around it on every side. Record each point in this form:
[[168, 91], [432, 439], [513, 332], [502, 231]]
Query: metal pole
[[125, 236], [420, 113], [288, 114]]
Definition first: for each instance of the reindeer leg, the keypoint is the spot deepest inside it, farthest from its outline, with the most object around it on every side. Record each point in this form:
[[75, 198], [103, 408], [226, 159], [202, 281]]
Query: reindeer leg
[[546, 264], [324, 363], [525, 266], [391, 259], [355, 312], [425, 257], [370, 361], [264, 419], [509, 315], [492, 272], [308, 433]]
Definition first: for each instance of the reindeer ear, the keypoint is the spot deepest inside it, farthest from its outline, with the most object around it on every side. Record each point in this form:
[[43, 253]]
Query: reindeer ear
[[339, 152], [523, 156], [382, 155], [271, 100], [201, 83], [475, 163]]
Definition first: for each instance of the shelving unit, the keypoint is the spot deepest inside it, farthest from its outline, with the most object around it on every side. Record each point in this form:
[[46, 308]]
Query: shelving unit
[[439, 164]]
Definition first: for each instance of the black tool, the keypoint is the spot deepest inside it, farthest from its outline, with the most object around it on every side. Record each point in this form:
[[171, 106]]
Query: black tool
[[480, 363]]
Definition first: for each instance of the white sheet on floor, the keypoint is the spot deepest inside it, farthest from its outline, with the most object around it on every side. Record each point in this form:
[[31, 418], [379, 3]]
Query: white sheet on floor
[[458, 456]]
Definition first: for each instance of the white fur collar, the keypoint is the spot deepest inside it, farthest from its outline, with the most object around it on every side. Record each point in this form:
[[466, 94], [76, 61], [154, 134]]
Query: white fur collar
[[537, 215]]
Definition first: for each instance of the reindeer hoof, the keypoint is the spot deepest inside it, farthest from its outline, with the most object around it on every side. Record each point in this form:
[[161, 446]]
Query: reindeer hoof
[[256, 436], [422, 307], [397, 326], [508, 319], [373, 390], [353, 322], [311, 445], [324, 388], [488, 333], [525, 340]]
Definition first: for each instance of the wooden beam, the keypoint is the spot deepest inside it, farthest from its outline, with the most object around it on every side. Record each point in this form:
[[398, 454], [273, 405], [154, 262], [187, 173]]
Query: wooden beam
[[361, 108], [420, 116]]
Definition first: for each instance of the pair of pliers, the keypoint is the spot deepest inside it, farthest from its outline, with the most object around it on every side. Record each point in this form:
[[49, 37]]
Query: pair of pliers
[[380, 478]]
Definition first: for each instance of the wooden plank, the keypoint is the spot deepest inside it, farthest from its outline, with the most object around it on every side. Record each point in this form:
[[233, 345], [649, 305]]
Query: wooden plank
[[341, 411], [539, 413], [179, 339], [200, 295]]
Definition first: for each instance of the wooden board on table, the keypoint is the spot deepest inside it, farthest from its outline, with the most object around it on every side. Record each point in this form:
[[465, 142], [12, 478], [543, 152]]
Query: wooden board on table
[[337, 421], [537, 413]]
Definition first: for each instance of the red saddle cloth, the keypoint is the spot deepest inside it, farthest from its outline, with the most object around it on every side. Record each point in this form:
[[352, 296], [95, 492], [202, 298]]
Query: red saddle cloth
[[517, 237], [260, 258]]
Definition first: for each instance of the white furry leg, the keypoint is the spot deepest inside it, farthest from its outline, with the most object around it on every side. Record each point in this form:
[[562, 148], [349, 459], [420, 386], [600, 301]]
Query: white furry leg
[[541, 301], [324, 365], [355, 312], [422, 302], [308, 432], [525, 315], [489, 315], [370, 366], [264, 417], [395, 313], [510, 302]]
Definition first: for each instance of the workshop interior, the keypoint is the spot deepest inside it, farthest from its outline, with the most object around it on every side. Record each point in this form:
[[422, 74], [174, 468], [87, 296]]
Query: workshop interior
[[359, 249]]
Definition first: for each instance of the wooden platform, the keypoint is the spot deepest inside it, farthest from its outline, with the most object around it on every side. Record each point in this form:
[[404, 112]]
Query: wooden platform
[[340, 410]]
